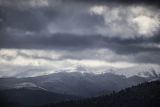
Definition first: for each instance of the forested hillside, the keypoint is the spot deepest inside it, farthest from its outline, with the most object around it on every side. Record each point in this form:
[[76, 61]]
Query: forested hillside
[[143, 95]]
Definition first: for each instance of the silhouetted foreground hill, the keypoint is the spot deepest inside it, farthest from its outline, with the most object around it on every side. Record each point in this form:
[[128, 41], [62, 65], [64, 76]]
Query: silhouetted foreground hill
[[28, 97], [143, 95]]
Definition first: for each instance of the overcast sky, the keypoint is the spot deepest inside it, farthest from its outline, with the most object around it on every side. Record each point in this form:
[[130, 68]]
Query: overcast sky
[[39, 37]]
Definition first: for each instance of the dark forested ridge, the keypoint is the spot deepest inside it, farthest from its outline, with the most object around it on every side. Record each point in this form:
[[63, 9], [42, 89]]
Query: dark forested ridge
[[27, 97], [142, 95]]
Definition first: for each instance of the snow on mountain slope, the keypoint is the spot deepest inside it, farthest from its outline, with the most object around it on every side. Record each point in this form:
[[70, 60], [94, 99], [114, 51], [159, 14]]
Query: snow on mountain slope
[[142, 71], [146, 70], [28, 85]]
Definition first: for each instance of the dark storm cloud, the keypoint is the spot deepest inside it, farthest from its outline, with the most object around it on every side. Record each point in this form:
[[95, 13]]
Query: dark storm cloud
[[78, 42], [65, 27], [51, 1], [19, 22], [74, 43], [126, 2], [148, 57], [30, 19], [120, 1]]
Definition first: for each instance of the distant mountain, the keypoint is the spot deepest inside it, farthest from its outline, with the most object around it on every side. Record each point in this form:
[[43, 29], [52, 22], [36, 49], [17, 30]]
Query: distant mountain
[[143, 95], [75, 83], [30, 96], [147, 70]]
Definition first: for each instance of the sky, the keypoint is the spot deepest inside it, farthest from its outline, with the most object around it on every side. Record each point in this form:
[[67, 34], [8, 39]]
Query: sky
[[39, 37]]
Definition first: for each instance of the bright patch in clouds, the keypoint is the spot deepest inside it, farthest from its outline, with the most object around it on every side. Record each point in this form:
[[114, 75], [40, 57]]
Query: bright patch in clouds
[[146, 25], [98, 10], [127, 21], [50, 61]]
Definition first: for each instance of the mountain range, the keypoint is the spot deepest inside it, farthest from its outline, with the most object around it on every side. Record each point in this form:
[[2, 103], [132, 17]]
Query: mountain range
[[64, 86], [75, 83]]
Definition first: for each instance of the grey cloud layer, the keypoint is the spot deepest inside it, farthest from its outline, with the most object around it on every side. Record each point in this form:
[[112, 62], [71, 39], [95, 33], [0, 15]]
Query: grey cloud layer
[[79, 25], [82, 32], [47, 2]]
